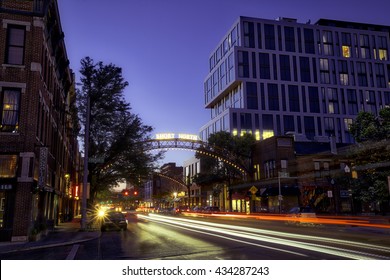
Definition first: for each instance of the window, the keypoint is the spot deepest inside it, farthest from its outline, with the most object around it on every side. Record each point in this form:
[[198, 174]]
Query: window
[[328, 42], [343, 73], [324, 71], [380, 75], [333, 107], [314, 100], [249, 34], [364, 46], [269, 36], [251, 95], [352, 102], [308, 35], [370, 101], [273, 97], [10, 106], [285, 73], [346, 51], [304, 63], [243, 64], [329, 126], [382, 45], [310, 130], [246, 121], [293, 98], [15, 45], [222, 75], [362, 74], [346, 44], [288, 123], [289, 39], [8, 166], [265, 70]]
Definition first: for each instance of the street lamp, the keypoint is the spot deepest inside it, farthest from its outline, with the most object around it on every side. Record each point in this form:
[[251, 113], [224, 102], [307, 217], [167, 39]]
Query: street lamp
[[347, 171], [174, 198], [85, 178]]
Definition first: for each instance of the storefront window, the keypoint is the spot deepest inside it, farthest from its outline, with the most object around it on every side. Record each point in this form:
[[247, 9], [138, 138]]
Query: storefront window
[[8, 164]]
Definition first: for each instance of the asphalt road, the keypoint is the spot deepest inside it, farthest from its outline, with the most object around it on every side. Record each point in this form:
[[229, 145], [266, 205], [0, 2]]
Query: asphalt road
[[155, 237]]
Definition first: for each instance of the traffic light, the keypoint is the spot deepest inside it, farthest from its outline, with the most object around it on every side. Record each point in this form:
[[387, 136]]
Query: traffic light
[[126, 193], [135, 193]]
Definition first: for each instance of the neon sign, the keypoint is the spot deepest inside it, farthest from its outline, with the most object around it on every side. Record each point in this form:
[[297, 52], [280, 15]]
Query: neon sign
[[168, 136]]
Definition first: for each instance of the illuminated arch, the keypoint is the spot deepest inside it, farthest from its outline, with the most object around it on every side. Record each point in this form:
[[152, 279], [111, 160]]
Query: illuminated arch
[[181, 183], [171, 141]]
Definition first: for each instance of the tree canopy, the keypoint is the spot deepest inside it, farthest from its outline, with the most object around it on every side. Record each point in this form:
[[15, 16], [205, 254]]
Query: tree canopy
[[116, 135], [371, 156], [368, 127]]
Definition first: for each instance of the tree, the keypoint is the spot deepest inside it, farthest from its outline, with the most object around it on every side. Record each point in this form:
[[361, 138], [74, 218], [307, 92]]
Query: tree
[[116, 135], [371, 156], [367, 126]]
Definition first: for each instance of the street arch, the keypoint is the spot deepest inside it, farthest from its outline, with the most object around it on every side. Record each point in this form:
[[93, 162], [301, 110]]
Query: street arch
[[191, 142]]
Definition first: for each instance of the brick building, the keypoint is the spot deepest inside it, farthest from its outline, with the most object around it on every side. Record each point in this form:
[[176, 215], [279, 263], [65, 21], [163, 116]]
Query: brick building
[[39, 156]]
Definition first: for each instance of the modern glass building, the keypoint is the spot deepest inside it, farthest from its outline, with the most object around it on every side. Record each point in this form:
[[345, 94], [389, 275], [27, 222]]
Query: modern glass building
[[281, 77]]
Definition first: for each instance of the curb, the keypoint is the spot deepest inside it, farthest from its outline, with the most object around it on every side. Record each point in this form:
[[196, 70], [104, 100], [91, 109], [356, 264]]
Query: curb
[[51, 245]]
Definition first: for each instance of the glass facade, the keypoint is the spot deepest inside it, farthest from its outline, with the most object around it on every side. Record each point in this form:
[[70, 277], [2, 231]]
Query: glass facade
[[270, 77]]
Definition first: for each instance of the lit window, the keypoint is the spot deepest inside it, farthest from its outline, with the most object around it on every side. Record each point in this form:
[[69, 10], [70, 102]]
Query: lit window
[[8, 165], [346, 51], [344, 79], [382, 54], [268, 134], [257, 135]]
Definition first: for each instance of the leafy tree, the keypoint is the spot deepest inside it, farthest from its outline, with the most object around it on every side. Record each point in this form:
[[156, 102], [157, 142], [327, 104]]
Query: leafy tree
[[371, 156], [116, 135], [367, 126]]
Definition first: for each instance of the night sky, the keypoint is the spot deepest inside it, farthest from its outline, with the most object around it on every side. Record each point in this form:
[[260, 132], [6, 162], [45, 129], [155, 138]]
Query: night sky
[[163, 46]]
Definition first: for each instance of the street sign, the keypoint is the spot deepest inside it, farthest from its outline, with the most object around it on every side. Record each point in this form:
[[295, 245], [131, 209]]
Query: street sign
[[284, 175], [330, 194], [253, 190]]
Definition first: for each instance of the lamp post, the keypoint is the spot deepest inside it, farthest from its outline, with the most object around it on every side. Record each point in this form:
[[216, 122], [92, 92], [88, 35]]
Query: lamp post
[[280, 197], [347, 171], [85, 175], [174, 198]]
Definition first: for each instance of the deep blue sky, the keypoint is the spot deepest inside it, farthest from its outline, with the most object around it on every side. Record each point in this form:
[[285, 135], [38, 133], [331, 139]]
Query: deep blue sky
[[163, 46]]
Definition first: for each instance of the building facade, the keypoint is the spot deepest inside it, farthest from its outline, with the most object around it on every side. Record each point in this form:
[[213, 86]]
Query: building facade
[[39, 158], [278, 77], [166, 188]]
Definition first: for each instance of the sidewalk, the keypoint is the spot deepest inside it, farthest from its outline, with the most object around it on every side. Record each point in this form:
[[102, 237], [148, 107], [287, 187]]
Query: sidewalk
[[64, 234]]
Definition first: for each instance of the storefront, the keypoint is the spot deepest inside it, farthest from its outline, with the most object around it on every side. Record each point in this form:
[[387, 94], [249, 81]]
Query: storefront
[[7, 202]]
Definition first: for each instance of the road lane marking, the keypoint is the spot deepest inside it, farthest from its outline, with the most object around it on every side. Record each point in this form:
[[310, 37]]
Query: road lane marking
[[73, 252]]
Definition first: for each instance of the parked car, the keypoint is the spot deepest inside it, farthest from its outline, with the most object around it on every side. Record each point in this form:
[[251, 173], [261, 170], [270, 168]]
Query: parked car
[[181, 209], [114, 220], [211, 209], [197, 209]]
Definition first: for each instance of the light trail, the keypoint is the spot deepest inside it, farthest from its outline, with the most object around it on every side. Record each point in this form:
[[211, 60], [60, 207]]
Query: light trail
[[274, 237], [333, 220]]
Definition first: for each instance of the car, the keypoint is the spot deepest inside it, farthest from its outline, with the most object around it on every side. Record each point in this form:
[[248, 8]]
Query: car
[[114, 220], [181, 209], [197, 209], [211, 209]]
